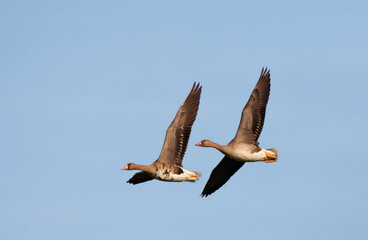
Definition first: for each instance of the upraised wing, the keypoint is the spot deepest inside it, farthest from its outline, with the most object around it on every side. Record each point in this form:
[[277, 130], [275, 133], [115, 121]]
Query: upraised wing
[[254, 112], [177, 135]]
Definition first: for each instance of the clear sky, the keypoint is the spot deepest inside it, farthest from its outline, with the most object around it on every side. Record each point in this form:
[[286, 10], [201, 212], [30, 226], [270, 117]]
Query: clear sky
[[88, 86]]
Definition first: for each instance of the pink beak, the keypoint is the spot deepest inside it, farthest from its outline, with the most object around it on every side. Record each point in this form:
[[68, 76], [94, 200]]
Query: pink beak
[[125, 168], [199, 144]]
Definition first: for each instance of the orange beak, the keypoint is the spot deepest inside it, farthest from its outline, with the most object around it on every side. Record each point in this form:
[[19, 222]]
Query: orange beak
[[125, 168], [199, 144]]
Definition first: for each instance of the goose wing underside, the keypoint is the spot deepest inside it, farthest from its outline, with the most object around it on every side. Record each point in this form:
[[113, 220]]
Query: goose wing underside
[[177, 135], [220, 175], [140, 178]]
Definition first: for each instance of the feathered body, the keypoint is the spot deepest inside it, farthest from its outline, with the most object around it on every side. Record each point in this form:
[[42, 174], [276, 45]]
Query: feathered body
[[169, 165], [244, 147]]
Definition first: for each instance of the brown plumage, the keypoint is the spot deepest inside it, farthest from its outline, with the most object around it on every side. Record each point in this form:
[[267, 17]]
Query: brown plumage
[[168, 166], [254, 112], [244, 147]]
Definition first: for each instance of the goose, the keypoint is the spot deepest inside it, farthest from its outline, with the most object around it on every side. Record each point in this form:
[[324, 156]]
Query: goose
[[244, 146], [169, 165]]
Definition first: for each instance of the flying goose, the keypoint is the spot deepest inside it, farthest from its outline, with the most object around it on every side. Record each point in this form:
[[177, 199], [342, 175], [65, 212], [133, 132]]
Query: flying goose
[[169, 165], [244, 147]]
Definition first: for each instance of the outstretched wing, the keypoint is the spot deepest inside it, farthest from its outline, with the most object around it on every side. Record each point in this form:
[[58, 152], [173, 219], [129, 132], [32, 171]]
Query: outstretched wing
[[254, 112], [140, 177], [220, 175], [177, 135]]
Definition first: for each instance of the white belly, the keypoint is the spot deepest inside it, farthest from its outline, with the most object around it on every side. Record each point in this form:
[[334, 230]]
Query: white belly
[[169, 176], [243, 155]]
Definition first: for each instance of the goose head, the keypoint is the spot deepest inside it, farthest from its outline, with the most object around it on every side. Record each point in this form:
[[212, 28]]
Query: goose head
[[204, 143], [129, 166]]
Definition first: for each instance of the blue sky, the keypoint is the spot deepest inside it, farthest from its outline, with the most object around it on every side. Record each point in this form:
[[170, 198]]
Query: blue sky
[[88, 86]]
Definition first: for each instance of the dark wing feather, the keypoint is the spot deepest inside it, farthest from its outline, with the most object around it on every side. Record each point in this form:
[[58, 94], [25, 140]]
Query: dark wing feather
[[254, 112], [221, 174], [140, 177], [177, 135]]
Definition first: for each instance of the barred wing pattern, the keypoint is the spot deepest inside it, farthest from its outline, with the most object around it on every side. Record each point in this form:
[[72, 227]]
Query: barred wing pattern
[[254, 112], [177, 135]]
